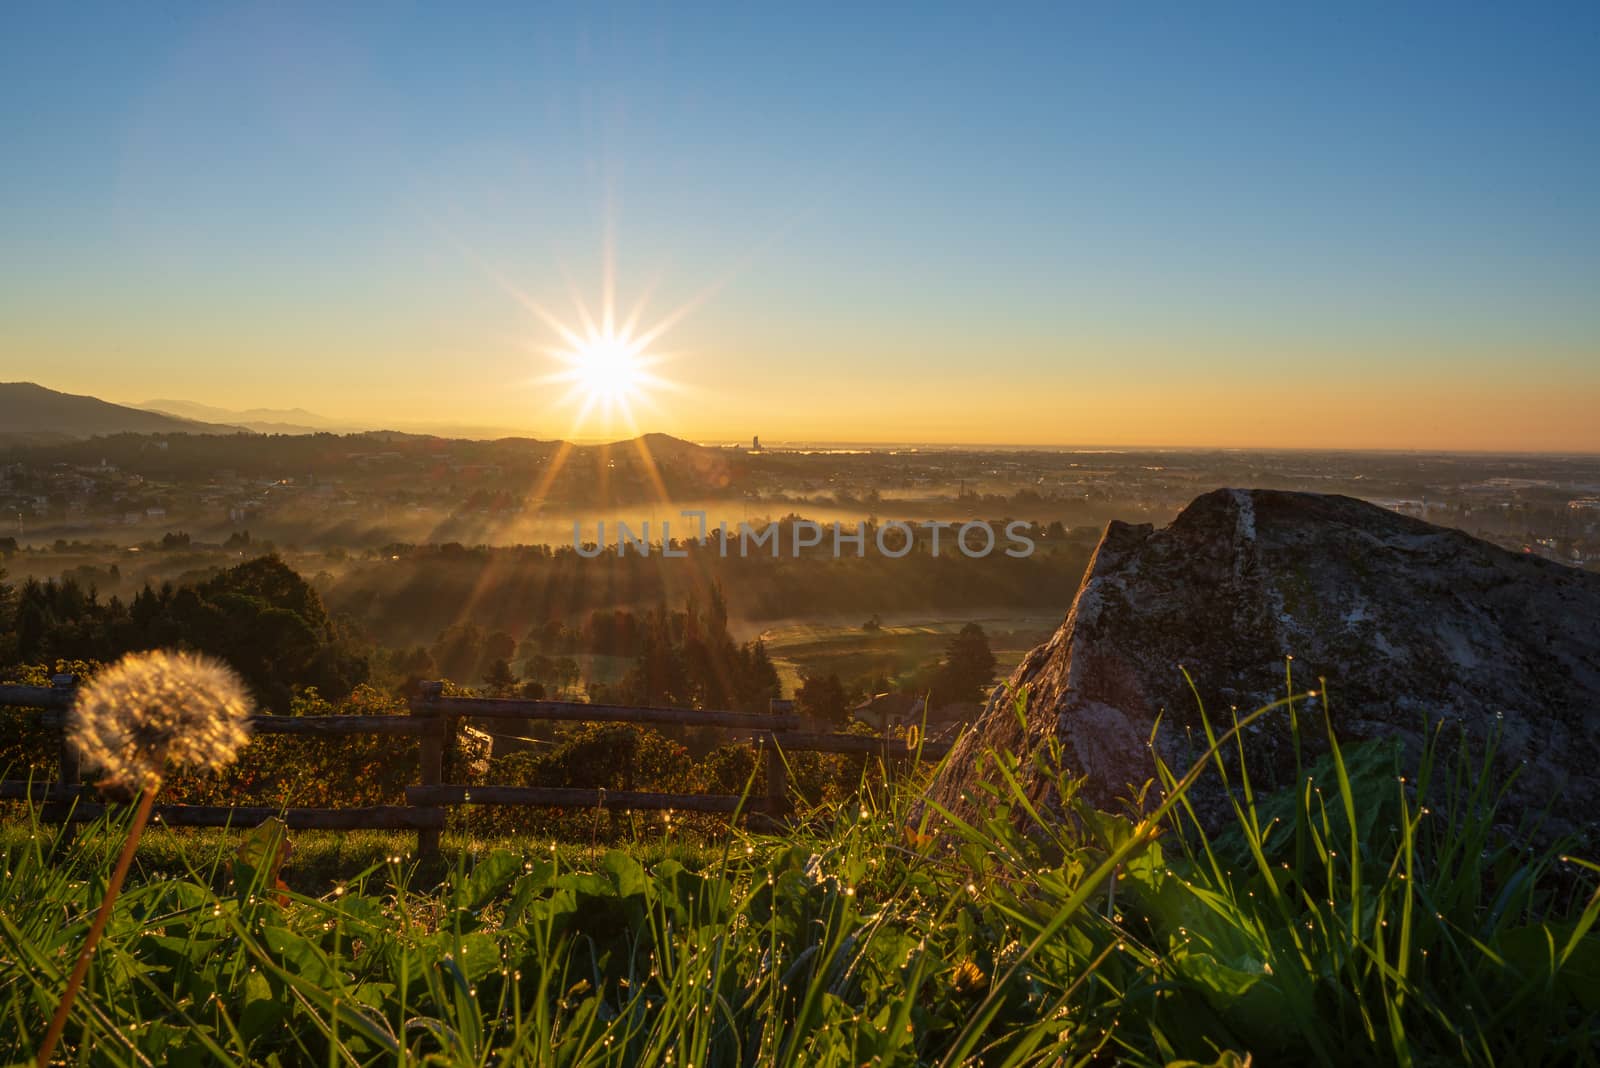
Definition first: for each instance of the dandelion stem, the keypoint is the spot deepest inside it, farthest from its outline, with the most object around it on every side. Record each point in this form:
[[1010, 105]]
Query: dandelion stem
[[81, 968]]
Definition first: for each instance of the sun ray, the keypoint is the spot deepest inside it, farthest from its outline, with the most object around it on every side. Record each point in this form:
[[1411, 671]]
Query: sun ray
[[590, 327], [631, 325], [608, 267], [651, 470]]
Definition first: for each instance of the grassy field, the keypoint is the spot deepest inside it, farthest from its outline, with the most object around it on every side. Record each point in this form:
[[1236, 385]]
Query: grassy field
[[1347, 921], [323, 859], [895, 650]]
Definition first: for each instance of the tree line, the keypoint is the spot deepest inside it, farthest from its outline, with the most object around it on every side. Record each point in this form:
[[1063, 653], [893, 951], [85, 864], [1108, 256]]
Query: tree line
[[260, 617], [271, 625]]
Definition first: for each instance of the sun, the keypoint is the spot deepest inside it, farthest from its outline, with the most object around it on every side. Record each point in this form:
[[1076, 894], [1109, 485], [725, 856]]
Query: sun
[[607, 372], [607, 369], [606, 362]]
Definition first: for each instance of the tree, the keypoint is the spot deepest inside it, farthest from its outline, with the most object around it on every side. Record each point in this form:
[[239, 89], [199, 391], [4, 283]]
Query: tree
[[660, 672], [270, 624], [404, 670], [496, 646], [761, 683], [260, 617], [7, 619], [554, 672], [968, 668], [822, 697], [566, 673], [499, 677], [458, 651]]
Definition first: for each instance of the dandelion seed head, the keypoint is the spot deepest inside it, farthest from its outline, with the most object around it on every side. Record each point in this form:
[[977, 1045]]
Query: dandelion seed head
[[149, 710]]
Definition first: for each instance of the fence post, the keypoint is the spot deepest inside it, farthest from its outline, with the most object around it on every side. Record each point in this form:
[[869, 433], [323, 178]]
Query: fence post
[[70, 774], [430, 766], [68, 771], [777, 770]]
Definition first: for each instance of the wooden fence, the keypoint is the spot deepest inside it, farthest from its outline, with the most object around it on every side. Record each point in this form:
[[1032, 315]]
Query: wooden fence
[[432, 724]]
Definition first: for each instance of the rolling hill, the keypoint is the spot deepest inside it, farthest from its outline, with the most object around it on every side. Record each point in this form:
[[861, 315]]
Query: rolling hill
[[30, 412], [261, 420]]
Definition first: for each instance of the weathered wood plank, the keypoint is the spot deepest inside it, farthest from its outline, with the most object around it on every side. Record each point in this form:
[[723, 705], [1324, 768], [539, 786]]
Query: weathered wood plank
[[69, 773], [36, 696], [41, 790], [430, 762], [574, 797], [344, 725], [797, 741], [577, 711], [324, 726], [777, 768], [373, 818]]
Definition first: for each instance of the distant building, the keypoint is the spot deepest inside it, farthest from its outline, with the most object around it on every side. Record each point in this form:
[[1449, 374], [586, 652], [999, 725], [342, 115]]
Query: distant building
[[755, 443], [886, 710]]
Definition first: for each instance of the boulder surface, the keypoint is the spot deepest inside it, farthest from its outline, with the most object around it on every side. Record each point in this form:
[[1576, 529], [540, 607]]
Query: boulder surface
[[1408, 623]]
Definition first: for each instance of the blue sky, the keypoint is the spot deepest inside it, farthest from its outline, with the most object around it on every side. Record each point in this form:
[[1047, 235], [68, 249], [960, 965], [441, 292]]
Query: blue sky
[[1062, 224]]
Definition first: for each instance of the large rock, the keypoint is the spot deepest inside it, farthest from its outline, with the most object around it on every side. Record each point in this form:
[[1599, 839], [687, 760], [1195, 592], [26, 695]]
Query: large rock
[[1408, 622]]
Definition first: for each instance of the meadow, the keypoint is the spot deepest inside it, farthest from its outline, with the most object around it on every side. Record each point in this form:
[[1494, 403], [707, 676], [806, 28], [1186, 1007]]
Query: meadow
[[894, 650], [1375, 914]]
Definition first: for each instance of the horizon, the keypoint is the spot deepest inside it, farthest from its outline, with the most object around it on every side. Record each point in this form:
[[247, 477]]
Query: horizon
[[496, 434], [1257, 230]]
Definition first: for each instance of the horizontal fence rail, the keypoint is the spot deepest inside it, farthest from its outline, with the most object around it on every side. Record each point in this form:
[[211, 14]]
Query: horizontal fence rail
[[508, 708], [577, 797], [369, 817], [38, 696], [322, 725], [801, 742], [433, 722]]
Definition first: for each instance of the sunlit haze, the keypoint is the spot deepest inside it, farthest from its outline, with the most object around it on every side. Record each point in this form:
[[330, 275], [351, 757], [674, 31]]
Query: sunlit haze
[[1246, 225]]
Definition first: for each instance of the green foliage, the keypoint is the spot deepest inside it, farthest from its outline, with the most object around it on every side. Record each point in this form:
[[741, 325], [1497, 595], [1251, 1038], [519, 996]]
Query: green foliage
[[499, 678], [260, 617], [26, 748], [614, 756], [822, 697], [688, 658], [282, 769], [1364, 916], [8, 620], [967, 671], [566, 600]]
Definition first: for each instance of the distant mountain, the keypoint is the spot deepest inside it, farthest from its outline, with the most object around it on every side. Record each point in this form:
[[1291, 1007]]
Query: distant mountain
[[301, 421], [261, 420], [31, 413], [698, 468], [664, 446]]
